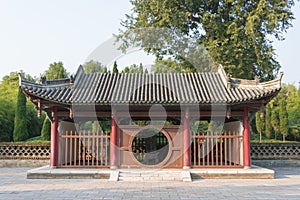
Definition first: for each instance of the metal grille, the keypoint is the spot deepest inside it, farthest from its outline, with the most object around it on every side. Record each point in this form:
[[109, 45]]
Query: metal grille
[[84, 149], [216, 149]]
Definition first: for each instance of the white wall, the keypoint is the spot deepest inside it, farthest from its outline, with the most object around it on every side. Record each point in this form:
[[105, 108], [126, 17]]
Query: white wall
[[235, 128], [63, 128]]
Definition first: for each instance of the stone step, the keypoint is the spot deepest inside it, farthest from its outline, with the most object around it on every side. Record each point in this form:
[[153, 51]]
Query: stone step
[[154, 176]]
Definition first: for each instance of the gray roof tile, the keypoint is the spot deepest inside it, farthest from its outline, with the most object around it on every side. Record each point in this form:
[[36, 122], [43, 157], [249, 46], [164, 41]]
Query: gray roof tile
[[176, 88]]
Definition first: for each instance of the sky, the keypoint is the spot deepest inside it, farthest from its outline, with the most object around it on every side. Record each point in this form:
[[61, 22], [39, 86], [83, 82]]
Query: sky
[[35, 33]]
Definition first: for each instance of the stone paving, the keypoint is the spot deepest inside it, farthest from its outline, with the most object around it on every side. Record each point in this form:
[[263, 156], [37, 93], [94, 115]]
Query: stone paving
[[14, 185]]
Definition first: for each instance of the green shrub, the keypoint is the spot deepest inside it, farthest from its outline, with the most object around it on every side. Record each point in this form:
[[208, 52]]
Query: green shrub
[[46, 130]]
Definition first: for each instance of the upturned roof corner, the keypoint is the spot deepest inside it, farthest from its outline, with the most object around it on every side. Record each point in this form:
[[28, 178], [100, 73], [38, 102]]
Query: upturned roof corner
[[224, 76]]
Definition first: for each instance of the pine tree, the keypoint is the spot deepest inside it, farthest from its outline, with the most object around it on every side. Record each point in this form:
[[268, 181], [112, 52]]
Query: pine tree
[[275, 121], [115, 68], [260, 124], [20, 125], [46, 130], [141, 68], [268, 122], [283, 115]]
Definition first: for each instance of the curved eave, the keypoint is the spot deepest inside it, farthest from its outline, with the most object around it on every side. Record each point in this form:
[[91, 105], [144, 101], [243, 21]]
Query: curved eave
[[39, 91], [186, 89]]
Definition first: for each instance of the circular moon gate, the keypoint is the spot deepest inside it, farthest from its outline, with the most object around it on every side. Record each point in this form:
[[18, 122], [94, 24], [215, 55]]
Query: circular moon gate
[[150, 147]]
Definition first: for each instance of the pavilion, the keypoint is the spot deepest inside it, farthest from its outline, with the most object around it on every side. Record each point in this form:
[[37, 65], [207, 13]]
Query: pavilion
[[150, 119]]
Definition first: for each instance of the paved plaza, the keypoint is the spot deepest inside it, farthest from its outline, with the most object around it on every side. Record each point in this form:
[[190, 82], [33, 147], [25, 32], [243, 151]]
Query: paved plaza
[[14, 185]]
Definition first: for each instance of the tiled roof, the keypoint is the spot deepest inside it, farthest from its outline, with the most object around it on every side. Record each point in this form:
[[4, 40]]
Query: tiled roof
[[176, 88]]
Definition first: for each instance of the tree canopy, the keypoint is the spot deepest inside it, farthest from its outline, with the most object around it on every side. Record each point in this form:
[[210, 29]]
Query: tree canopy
[[281, 116], [94, 67], [56, 71], [134, 68], [236, 34], [9, 90]]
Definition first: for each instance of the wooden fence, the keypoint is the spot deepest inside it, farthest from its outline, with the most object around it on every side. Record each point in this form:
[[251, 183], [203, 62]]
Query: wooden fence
[[216, 149], [84, 149]]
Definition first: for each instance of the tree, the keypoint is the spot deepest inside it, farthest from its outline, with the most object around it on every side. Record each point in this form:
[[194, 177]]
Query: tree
[[199, 126], [283, 115], [94, 67], [141, 68], [6, 120], [125, 70], [115, 68], [168, 65], [275, 121], [236, 34], [34, 124], [96, 127], [56, 71], [8, 98], [260, 125], [268, 122], [46, 130], [9, 87], [293, 105], [134, 68], [20, 124]]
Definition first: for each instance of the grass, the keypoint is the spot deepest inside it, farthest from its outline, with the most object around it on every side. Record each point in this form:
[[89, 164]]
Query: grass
[[254, 138], [36, 139], [271, 141]]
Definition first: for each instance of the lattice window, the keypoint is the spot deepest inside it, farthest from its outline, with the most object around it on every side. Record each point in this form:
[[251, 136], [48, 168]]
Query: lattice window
[[275, 151], [24, 152]]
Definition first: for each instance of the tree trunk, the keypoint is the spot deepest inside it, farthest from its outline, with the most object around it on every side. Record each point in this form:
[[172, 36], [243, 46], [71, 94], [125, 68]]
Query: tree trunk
[[259, 137]]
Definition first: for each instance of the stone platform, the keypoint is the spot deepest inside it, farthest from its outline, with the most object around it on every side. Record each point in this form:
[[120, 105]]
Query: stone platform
[[255, 172], [151, 175]]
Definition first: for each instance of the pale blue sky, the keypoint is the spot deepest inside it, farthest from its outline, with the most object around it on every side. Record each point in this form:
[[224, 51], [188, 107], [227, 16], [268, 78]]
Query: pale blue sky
[[35, 33]]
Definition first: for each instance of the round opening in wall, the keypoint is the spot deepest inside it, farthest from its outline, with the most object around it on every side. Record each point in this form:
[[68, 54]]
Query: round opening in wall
[[150, 147]]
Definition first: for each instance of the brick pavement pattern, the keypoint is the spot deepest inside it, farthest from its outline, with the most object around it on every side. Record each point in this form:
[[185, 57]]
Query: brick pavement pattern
[[14, 185]]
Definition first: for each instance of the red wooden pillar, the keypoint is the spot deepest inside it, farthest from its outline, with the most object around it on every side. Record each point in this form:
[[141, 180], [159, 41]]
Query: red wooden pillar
[[113, 142], [246, 139], [54, 137], [186, 140]]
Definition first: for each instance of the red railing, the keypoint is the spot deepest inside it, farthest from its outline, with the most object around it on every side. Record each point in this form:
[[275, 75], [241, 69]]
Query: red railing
[[216, 149], [84, 149]]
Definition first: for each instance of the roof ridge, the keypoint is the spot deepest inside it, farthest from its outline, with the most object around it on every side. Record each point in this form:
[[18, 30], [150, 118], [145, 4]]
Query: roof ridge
[[244, 83]]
